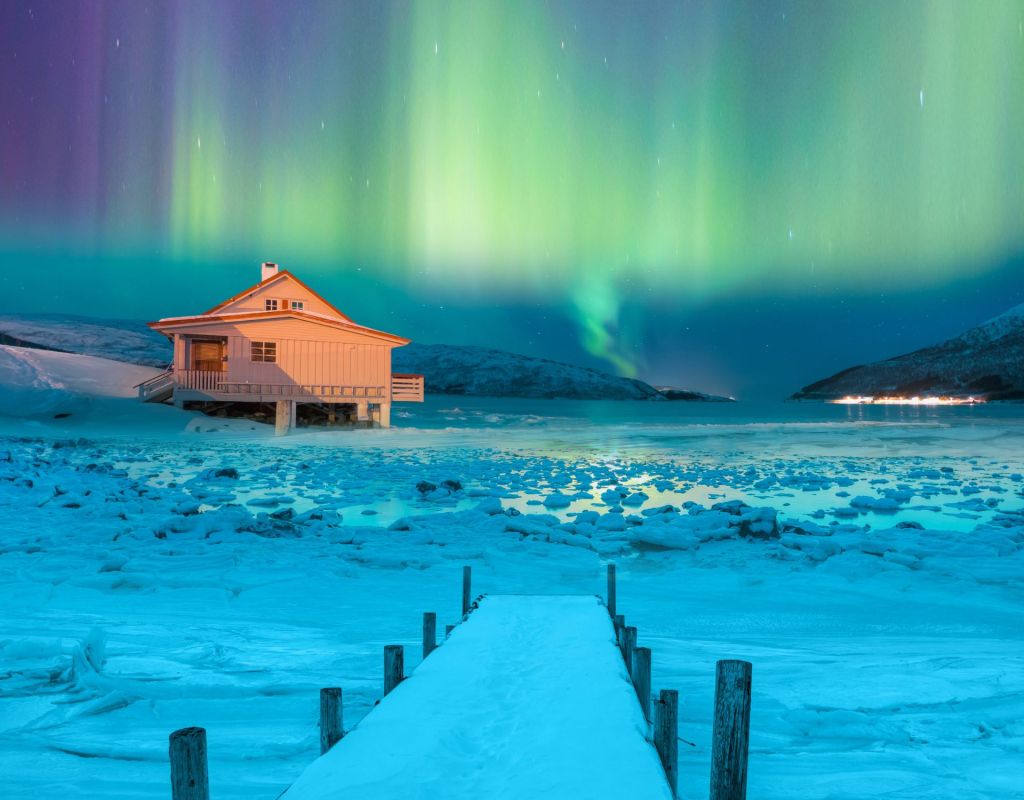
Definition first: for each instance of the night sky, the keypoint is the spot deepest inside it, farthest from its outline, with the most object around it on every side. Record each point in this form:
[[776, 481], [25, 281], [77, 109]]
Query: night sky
[[736, 197]]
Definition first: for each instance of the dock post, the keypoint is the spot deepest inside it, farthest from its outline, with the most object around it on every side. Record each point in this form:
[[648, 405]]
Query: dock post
[[284, 417], [429, 632], [331, 729], [666, 733], [620, 622], [467, 580], [189, 776], [628, 646], [448, 630], [394, 666], [610, 599], [642, 679], [731, 738]]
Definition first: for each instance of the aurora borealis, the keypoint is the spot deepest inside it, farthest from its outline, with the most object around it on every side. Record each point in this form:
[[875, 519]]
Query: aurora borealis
[[596, 171]]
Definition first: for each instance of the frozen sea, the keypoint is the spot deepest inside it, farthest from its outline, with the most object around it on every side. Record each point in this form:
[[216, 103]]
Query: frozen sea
[[159, 570]]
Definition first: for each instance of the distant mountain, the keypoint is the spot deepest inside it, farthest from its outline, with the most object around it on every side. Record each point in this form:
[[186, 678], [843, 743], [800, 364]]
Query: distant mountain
[[986, 361], [118, 339], [460, 369], [447, 369], [690, 395]]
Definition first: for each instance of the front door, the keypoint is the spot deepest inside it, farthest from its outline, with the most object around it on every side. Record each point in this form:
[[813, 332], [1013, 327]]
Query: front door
[[208, 355]]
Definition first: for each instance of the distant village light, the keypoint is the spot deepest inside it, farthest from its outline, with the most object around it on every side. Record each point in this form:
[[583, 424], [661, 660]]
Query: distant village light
[[863, 400]]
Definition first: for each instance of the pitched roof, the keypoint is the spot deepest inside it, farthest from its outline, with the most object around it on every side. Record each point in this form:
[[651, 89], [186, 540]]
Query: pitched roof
[[266, 282], [246, 316]]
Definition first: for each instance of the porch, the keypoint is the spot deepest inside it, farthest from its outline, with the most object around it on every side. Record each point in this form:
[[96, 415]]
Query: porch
[[213, 385]]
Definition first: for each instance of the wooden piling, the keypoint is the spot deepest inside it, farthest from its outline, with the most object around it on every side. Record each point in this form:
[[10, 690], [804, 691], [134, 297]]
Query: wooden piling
[[620, 622], [331, 729], [284, 417], [731, 737], [666, 735], [467, 580], [610, 598], [642, 679], [429, 632], [394, 666], [448, 630], [628, 646], [189, 776]]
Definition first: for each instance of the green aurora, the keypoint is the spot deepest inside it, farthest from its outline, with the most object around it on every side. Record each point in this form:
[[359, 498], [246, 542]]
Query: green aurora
[[576, 153]]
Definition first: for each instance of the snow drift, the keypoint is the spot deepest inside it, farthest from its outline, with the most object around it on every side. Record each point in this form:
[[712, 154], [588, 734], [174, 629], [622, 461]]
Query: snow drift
[[41, 382]]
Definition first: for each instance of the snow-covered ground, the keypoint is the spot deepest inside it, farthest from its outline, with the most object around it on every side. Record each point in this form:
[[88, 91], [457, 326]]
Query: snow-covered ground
[[62, 377], [160, 569]]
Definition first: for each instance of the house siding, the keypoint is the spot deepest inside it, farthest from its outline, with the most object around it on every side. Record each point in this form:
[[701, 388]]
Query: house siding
[[307, 353]]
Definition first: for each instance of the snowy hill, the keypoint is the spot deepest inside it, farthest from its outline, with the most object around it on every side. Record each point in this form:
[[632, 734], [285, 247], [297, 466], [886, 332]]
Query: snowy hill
[[117, 339], [986, 361], [448, 369], [45, 392], [690, 395], [467, 370]]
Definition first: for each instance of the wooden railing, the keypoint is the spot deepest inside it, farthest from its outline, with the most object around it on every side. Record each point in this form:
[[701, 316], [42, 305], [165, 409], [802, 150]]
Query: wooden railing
[[159, 385], [323, 391], [203, 380], [406, 388], [730, 737]]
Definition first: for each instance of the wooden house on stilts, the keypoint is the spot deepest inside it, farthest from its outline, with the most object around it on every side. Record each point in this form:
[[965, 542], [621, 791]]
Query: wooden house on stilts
[[281, 343]]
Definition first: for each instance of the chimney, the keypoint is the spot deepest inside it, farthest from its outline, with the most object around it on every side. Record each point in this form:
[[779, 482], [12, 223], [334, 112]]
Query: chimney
[[269, 270]]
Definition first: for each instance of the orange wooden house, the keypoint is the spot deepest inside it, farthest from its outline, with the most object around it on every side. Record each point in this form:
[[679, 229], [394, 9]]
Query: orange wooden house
[[280, 342]]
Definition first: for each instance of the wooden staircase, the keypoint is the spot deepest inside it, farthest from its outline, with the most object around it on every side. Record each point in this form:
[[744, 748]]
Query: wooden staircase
[[158, 389]]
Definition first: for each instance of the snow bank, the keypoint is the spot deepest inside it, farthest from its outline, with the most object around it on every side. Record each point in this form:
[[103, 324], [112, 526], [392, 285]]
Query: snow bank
[[43, 383], [68, 394]]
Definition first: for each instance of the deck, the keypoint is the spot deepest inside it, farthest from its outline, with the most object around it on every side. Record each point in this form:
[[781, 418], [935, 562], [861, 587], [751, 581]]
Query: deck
[[214, 385], [528, 698]]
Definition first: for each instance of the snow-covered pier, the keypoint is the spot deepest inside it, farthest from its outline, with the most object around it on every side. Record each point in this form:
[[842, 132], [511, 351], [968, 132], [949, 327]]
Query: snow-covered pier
[[539, 696], [528, 698]]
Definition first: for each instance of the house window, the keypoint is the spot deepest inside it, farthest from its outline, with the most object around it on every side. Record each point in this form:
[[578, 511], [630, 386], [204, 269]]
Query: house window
[[270, 305], [264, 352], [298, 305]]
